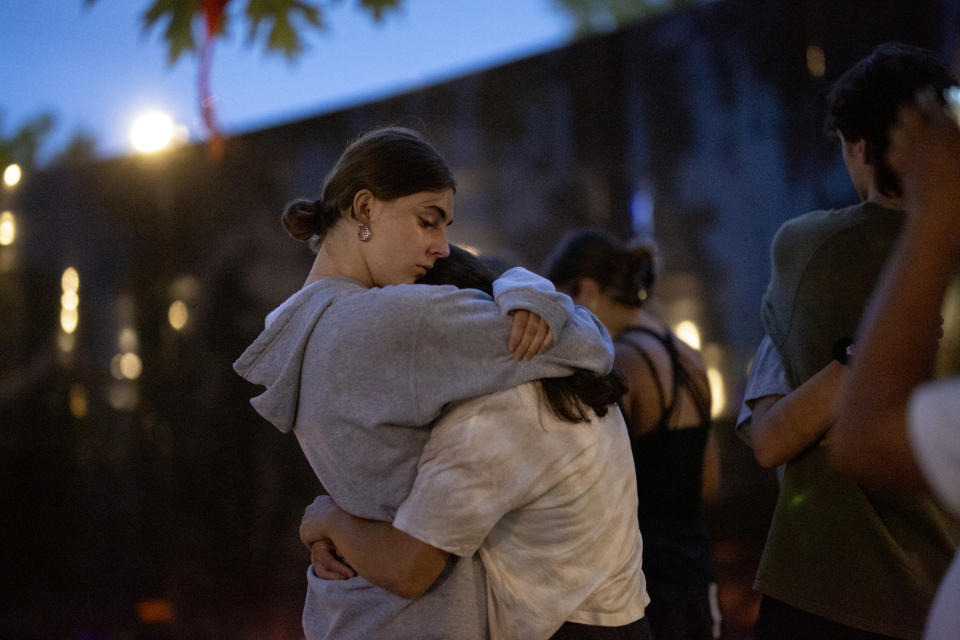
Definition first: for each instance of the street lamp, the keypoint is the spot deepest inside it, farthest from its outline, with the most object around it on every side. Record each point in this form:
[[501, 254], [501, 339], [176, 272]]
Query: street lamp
[[152, 131], [12, 174]]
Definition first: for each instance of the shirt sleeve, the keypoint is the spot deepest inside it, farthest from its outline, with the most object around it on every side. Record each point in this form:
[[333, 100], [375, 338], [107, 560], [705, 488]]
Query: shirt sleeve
[[471, 473], [767, 377], [460, 348], [933, 429]]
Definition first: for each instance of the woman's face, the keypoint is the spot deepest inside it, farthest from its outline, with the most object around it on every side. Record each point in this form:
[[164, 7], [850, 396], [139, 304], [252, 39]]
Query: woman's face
[[408, 235]]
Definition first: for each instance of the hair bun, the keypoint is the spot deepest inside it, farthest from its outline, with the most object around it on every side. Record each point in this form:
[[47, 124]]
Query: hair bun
[[300, 219]]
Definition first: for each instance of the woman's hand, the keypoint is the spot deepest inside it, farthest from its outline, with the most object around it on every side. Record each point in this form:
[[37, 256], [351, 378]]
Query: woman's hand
[[530, 335], [327, 565], [325, 562]]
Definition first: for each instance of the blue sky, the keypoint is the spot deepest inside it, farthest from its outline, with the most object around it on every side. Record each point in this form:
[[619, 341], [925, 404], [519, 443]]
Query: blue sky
[[95, 69]]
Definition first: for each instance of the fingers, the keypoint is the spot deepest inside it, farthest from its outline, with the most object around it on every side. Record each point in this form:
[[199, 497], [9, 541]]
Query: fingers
[[325, 563], [517, 330], [312, 524], [538, 344], [529, 336]]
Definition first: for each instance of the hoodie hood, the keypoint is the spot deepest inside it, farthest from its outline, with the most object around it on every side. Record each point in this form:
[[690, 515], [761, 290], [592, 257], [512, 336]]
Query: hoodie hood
[[275, 359]]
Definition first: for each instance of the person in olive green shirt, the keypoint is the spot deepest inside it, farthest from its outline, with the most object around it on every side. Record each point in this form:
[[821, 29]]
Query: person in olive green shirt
[[841, 561]]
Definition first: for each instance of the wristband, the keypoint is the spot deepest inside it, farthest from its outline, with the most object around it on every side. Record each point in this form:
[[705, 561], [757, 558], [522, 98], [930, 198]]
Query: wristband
[[842, 350]]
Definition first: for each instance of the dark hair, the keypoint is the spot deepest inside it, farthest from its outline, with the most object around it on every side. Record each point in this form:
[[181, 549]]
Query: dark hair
[[391, 162], [568, 397], [624, 273], [864, 102]]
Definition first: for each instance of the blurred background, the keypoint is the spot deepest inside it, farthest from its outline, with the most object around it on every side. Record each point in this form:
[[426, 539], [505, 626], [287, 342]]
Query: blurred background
[[148, 148]]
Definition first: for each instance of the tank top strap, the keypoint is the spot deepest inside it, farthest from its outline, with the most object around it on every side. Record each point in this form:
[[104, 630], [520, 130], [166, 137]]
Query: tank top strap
[[666, 412]]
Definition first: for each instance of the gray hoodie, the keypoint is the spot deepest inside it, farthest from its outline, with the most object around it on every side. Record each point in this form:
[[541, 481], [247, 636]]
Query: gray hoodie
[[359, 374]]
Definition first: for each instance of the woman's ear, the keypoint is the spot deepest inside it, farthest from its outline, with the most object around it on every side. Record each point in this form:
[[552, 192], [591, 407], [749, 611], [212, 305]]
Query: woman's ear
[[362, 206]]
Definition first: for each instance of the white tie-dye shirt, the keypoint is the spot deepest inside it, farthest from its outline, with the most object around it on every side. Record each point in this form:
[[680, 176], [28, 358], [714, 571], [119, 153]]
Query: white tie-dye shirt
[[550, 506]]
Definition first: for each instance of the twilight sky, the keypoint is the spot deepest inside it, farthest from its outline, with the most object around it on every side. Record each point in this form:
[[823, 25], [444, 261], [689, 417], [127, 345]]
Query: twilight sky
[[96, 70]]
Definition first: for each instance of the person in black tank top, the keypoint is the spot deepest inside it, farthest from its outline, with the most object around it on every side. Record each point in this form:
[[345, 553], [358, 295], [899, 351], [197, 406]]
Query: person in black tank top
[[667, 410]]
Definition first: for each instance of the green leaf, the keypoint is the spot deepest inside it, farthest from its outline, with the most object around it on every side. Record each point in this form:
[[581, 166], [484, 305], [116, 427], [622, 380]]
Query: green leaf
[[379, 7], [283, 35], [22, 146], [178, 15]]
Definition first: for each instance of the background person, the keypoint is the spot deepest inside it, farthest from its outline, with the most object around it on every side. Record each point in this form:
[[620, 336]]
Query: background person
[[898, 429], [840, 561], [667, 410]]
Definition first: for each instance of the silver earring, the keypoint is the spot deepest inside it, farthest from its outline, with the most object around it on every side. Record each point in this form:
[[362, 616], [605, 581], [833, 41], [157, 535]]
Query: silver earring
[[364, 233]]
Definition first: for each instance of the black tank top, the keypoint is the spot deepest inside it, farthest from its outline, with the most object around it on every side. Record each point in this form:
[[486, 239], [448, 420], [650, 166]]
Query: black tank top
[[669, 467]]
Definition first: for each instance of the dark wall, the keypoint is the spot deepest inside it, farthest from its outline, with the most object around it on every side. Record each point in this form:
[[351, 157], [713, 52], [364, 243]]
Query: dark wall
[[703, 127]]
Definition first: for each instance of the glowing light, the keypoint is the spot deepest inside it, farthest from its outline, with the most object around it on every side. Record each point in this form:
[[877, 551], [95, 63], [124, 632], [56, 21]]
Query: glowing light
[[689, 333], [66, 342], [70, 281], [68, 320], [718, 392], [178, 314], [115, 370], [12, 175], [181, 135], [77, 400], [123, 396], [155, 611], [816, 61], [128, 340], [152, 132], [130, 366], [69, 300], [8, 228], [952, 96]]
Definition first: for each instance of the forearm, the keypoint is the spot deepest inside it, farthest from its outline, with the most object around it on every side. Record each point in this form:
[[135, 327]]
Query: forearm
[[783, 427], [387, 557]]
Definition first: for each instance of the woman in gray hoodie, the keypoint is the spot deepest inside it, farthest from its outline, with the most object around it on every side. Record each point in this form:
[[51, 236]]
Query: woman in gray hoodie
[[360, 361]]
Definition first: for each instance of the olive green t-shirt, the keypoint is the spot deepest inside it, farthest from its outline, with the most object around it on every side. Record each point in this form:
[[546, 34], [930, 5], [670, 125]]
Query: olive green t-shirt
[[835, 549]]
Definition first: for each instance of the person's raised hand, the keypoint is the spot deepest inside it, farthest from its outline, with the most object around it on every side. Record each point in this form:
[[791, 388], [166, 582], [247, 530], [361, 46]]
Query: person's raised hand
[[925, 153]]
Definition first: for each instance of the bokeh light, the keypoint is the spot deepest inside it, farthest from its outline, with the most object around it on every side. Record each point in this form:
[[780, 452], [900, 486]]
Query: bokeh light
[[70, 281], [816, 61], [689, 333], [152, 132], [128, 340], [68, 320], [77, 400], [718, 392], [69, 300], [8, 228], [12, 174], [130, 366], [178, 315]]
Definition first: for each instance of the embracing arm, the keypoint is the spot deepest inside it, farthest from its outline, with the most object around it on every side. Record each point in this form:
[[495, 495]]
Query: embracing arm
[[783, 427], [385, 556]]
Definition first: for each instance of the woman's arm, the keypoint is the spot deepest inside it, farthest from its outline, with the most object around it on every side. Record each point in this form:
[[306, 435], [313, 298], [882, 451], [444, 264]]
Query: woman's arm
[[782, 427], [387, 557], [438, 344]]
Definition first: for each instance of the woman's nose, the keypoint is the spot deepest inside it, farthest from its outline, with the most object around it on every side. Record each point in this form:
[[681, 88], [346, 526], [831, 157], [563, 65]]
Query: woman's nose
[[441, 247]]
